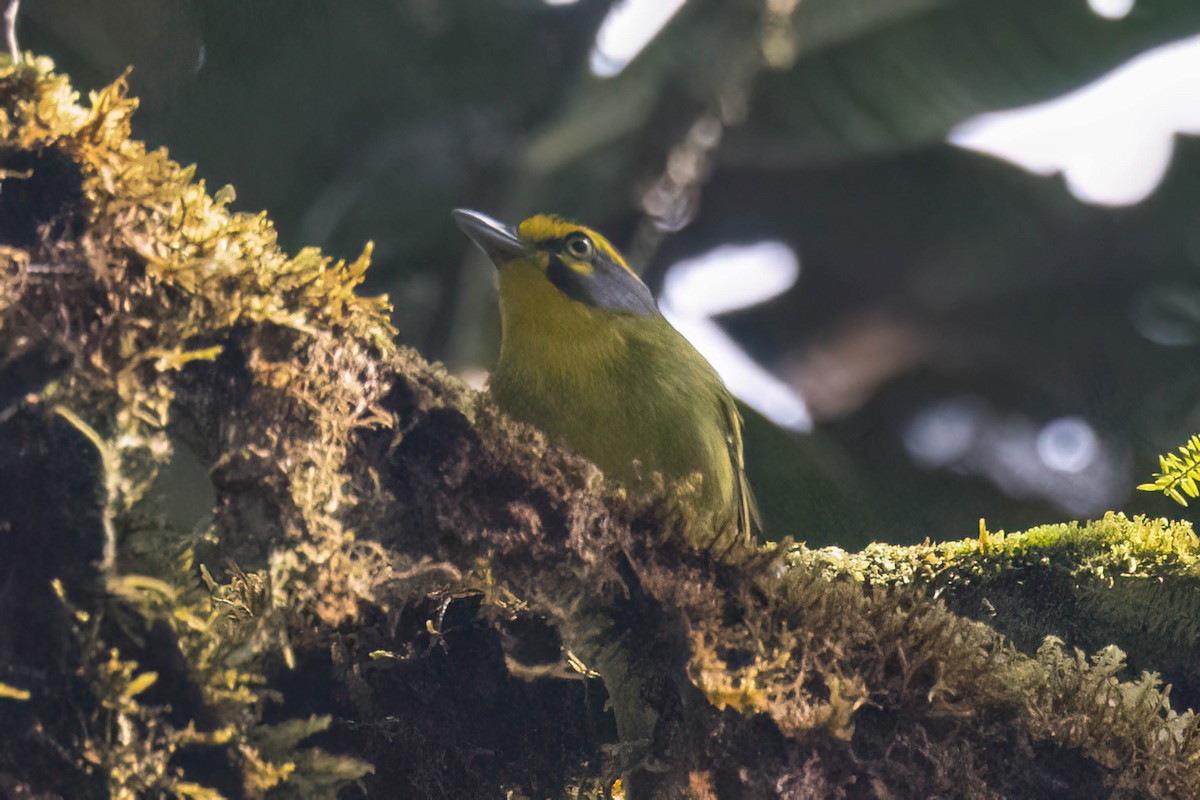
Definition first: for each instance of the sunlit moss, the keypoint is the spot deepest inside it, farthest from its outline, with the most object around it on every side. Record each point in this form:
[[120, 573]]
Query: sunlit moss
[[1129, 580], [150, 273], [1114, 545]]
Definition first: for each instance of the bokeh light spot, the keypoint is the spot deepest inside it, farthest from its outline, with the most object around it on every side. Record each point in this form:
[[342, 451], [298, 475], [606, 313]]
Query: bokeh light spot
[[625, 32], [1111, 9], [727, 278], [943, 433], [1067, 444], [1112, 140], [730, 277]]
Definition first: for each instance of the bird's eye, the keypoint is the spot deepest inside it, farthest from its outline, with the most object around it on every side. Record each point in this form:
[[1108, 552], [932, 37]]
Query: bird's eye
[[579, 246]]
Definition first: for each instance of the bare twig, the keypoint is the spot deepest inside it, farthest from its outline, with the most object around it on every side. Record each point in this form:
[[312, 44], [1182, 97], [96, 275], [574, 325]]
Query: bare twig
[[10, 29]]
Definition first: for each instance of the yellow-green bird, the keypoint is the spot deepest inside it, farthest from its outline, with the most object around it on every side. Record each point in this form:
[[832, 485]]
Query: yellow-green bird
[[586, 356]]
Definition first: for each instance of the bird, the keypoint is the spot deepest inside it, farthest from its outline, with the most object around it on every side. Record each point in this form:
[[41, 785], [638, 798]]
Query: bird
[[587, 357]]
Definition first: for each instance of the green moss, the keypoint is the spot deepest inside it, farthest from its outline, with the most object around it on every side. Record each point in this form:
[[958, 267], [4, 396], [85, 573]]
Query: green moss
[[1129, 582], [1113, 545]]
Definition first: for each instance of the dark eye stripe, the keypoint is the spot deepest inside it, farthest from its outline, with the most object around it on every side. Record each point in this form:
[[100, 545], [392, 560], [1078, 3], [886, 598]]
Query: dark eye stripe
[[609, 287], [567, 280]]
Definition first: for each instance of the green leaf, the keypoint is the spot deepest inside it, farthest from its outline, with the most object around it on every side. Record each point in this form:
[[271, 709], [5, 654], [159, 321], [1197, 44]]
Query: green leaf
[[909, 78]]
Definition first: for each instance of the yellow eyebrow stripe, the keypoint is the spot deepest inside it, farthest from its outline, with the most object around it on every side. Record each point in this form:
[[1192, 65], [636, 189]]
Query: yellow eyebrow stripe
[[547, 227], [544, 227], [583, 268]]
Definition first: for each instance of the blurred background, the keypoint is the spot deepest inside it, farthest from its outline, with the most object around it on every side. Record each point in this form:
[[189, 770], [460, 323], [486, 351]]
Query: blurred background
[[947, 252]]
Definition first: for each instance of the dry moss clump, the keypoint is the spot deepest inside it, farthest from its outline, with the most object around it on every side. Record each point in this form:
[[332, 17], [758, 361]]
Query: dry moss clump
[[403, 593]]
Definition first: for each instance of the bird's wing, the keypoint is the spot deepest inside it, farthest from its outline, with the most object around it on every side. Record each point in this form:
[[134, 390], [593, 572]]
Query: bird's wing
[[747, 509]]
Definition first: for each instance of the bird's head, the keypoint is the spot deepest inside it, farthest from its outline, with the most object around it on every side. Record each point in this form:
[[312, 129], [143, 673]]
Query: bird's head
[[552, 258]]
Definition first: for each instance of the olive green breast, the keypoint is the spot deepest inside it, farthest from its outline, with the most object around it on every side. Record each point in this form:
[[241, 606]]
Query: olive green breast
[[628, 392]]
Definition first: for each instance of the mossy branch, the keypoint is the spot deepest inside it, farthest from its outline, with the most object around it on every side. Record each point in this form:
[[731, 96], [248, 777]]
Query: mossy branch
[[398, 578]]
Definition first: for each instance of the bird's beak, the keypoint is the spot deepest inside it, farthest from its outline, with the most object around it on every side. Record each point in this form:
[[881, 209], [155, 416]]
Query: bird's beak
[[498, 240]]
